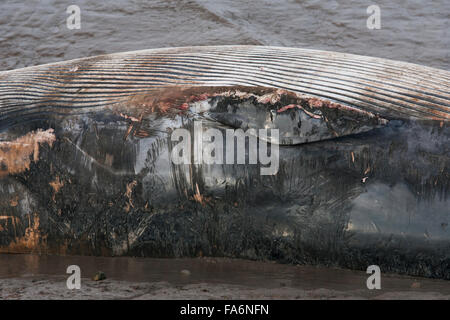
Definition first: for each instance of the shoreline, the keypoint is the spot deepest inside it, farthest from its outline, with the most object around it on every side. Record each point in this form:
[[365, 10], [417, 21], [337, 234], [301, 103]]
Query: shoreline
[[28, 277]]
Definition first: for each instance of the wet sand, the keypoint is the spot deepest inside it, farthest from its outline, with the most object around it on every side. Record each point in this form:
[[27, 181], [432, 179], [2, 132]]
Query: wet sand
[[44, 277]]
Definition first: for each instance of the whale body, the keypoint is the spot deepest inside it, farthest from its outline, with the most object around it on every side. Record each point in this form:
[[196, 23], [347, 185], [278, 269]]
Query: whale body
[[363, 172]]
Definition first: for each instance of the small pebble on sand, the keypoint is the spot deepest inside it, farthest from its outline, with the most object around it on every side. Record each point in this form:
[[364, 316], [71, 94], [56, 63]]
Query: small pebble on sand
[[99, 275], [185, 272]]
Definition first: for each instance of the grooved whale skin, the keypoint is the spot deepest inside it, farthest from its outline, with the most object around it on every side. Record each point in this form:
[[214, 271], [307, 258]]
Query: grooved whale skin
[[392, 89]]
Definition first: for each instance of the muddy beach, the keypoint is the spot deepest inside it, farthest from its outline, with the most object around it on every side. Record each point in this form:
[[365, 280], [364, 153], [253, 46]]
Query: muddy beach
[[43, 277]]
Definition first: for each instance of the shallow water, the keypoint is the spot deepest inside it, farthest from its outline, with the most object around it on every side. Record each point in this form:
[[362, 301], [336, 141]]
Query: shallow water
[[214, 271], [36, 33]]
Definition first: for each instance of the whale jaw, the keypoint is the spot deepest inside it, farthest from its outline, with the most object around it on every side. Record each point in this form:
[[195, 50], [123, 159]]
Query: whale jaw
[[297, 117]]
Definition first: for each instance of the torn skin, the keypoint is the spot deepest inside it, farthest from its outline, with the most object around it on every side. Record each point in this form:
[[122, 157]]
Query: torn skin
[[298, 117], [16, 155]]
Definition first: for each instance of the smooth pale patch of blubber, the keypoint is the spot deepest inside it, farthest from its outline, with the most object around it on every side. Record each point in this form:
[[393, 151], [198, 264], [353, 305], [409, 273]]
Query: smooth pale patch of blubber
[[299, 118], [387, 209]]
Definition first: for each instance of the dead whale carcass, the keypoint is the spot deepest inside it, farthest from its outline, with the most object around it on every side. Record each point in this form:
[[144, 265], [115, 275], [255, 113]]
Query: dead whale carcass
[[95, 175]]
